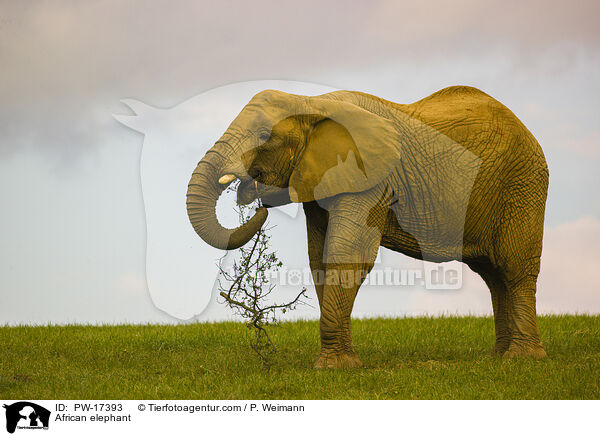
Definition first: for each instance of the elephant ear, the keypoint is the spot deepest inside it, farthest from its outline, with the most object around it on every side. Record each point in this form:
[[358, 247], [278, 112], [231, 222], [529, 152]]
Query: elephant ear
[[349, 149]]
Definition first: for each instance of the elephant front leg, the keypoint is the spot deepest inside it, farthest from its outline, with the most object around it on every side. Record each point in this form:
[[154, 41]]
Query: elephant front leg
[[340, 290], [351, 244], [316, 229]]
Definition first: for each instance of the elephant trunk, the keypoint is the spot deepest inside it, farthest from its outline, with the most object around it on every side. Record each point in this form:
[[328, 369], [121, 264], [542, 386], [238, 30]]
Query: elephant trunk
[[203, 192]]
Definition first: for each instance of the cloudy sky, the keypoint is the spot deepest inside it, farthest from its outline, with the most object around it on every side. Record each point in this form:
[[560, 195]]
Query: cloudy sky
[[73, 223]]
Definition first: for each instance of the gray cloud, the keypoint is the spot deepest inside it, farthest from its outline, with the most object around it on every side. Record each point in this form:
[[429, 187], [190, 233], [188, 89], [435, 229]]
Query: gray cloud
[[67, 64]]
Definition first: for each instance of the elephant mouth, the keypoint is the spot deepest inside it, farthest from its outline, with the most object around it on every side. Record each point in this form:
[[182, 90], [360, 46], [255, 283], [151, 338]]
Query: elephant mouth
[[247, 192], [270, 196]]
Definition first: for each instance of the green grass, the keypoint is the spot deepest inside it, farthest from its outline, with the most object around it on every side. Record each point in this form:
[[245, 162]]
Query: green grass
[[412, 358]]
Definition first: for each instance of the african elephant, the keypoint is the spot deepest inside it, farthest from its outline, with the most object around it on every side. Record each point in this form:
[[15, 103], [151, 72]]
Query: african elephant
[[454, 176]]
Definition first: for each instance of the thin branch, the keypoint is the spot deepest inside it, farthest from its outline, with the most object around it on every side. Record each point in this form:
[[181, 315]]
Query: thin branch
[[250, 286]]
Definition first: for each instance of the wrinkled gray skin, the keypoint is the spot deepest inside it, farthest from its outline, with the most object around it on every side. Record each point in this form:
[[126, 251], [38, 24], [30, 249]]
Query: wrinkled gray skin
[[455, 176]]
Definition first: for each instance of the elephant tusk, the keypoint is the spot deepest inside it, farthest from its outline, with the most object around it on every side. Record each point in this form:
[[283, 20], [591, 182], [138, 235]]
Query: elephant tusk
[[227, 178]]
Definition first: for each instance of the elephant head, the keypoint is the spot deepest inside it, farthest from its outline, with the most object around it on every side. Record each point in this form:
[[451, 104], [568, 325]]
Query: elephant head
[[289, 148]]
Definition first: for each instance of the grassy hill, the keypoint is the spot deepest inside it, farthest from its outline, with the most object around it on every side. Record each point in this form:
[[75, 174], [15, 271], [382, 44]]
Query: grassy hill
[[412, 358]]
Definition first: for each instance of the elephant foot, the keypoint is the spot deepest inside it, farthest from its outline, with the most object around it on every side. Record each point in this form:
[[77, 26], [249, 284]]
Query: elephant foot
[[500, 347], [331, 359], [515, 349]]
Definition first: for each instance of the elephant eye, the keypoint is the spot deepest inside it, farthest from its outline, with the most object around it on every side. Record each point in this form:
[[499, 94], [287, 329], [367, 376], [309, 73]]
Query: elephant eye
[[264, 136]]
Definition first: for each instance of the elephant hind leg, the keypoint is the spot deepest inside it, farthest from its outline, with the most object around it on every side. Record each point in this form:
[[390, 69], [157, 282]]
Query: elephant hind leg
[[517, 258], [500, 304], [522, 319], [515, 320]]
